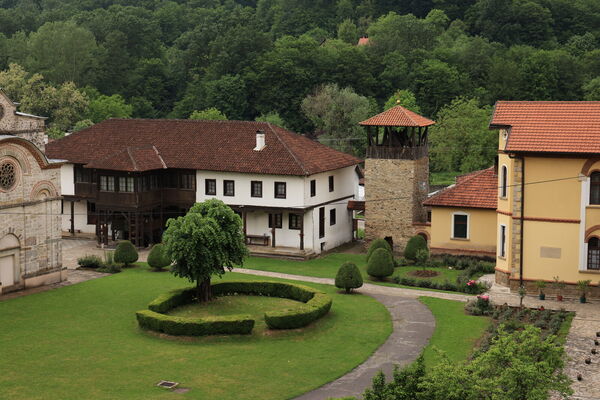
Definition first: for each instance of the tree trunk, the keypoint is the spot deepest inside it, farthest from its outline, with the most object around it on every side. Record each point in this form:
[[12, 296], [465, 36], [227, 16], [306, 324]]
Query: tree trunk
[[204, 291]]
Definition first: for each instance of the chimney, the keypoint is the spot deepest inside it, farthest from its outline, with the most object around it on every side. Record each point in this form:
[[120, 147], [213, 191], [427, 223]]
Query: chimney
[[260, 140]]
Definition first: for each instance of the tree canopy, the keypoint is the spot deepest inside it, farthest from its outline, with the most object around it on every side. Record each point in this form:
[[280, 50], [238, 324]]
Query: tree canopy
[[207, 241]]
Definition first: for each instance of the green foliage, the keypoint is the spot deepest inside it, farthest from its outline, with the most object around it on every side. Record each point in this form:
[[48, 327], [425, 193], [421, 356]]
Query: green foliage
[[89, 261], [126, 253], [378, 244], [209, 114], [348, 32], [272, 118], [316, 304], [157, 258], [591, 89], [335, 114], [205, 242], [422, 257], [348, 277], [83, 124], [413, 245], [464, 122], [404, 98], [105, 107], [381, 264]]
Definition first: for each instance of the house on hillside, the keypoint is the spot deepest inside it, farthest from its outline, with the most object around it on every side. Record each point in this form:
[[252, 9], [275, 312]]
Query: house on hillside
[[30, 233], [463, 216], [124, 178]]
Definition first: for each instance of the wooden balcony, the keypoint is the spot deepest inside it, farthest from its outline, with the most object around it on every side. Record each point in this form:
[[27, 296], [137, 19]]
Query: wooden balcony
[[397, 153]]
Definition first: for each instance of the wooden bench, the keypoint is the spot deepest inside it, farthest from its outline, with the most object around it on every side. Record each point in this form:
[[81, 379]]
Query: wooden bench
[[259, 240]]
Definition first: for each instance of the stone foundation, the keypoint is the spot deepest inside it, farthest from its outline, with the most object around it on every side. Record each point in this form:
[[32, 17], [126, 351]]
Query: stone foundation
[[570, 291]]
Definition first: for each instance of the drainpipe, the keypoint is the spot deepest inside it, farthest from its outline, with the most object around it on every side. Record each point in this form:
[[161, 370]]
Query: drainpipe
[[522, 219]]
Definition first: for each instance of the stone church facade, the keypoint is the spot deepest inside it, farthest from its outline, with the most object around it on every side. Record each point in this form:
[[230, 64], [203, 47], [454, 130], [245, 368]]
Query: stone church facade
[[30, 203]]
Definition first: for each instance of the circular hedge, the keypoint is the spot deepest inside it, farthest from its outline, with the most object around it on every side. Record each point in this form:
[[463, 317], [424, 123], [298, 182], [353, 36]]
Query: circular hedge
[[314, 305]]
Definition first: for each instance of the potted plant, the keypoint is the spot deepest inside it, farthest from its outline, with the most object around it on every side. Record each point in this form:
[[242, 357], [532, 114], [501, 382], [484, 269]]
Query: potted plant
[[541, 285], [559, 286], [583, 287]]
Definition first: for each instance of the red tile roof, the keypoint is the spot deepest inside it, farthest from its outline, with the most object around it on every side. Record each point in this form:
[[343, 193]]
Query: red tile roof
[[363, 41], [145, 144], [398, 116], [478, 189], [550, 126]]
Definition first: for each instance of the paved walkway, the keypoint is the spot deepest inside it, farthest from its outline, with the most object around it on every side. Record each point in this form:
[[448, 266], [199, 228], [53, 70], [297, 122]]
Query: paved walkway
[[77, 247]]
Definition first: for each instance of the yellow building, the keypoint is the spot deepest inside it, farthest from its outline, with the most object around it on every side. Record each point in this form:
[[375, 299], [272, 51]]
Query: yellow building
[[463, 216], [548, 214]]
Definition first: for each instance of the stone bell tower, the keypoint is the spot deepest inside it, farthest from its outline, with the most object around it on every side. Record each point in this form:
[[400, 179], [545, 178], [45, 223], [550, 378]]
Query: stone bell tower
[[396, 175], [15, 123]]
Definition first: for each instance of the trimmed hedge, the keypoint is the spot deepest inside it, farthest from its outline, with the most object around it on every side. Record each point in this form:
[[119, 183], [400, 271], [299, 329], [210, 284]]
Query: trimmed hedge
[[316, 304], [126, 253], [378, 244], [348, 277], [415, 244], [381, 264]]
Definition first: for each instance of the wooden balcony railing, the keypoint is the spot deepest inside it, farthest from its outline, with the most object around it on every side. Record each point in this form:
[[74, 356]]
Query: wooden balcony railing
[[398, 153]]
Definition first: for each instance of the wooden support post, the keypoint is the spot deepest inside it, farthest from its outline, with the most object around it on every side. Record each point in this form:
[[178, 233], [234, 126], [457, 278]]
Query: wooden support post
[[273, 244], [302, 231], [72, 217], [244, 223]]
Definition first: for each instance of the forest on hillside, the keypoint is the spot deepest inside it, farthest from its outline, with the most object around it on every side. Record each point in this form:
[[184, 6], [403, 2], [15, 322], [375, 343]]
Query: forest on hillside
[[296, 62]]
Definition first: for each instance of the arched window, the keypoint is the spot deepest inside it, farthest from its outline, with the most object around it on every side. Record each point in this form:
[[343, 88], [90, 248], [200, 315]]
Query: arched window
[[595, 188], [503, 181], [594, 253]]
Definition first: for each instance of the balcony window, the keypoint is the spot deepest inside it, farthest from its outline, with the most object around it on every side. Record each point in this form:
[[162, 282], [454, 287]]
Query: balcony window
[[593, 261], [107, 183], [256, 189], [82, 175], [210, 187], [228, 188], [595, 188], [280, 190], [126, 184], [188, 181], [171, 180]]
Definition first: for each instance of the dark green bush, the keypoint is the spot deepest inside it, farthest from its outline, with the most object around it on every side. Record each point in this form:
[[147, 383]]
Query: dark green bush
[[158, 258], [181, 326], [414, 244], [89, 261], [109, 269], [126, 253], [348, 277], [316, 304], [378, 244], [381, 264]]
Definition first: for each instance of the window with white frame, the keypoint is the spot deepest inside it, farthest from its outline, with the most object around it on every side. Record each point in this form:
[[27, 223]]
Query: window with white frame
[[460, 226], [107, 183], [503, 181], [126, 184], [502, 242]]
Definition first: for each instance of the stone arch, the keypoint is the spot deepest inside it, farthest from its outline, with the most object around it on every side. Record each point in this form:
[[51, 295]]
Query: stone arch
[[424, 235], [43, 190], [591, 232], [586, 170], [9, 242], [18, 154]]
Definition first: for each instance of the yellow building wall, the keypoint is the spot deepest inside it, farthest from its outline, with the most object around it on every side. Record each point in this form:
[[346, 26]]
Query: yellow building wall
[[504, 263], [482, 230]]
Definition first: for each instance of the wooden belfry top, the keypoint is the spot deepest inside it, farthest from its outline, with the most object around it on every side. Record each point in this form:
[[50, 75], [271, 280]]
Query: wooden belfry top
[[398, 116]]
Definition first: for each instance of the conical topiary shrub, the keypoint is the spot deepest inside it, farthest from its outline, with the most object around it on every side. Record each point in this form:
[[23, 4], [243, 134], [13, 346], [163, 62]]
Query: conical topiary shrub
[[414, 244], [348, 277], [381, 264], [378, 244], [158, 259], [126, 253]]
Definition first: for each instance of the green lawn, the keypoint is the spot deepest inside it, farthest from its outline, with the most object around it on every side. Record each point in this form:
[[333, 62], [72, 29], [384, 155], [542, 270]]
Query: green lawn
[[456, 333], [83, 342], [328, 265], [255, 306], [445, 274]]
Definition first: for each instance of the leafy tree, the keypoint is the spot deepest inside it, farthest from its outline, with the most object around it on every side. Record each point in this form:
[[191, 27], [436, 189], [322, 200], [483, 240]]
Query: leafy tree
[[63, 52], [126, 253], [209, 114], [158, 258], [413, 246], [348, 277], [462, 122], [348, 32], [272, 118], [83, 124], [592, 90], [404, 98], [336, 113], [205, 242], [105, 107], [436, 84]]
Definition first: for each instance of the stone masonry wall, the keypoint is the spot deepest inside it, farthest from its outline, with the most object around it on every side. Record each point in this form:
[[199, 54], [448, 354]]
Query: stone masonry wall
[[28, 127], [394, 190]]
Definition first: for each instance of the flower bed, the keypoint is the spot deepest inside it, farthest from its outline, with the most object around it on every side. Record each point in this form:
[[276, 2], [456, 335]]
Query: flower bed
[[313, 305]]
